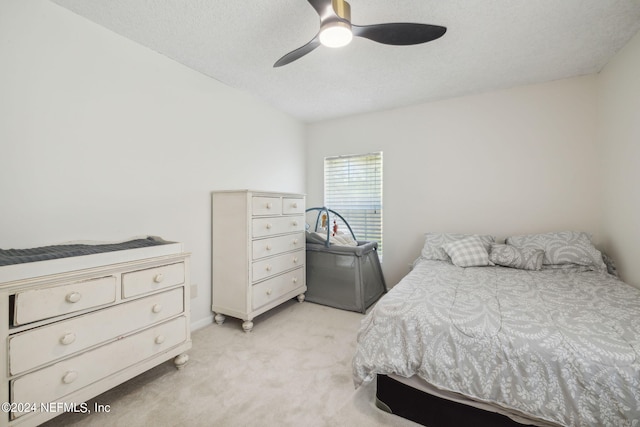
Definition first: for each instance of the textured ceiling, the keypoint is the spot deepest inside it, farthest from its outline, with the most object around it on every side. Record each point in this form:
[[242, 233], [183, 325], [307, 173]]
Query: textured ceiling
[[490, 44]]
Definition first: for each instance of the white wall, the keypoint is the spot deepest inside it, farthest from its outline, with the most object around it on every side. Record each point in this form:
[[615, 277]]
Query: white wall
[[620, 138], [514, 161], [103, 139]]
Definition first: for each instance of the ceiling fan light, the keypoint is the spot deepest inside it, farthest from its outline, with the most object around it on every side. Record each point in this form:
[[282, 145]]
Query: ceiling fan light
[[337, 34]]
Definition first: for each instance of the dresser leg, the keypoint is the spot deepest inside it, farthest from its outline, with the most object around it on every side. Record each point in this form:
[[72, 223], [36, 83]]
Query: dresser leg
[[181, 360], [301, 297], [247, 325], [219, 318]]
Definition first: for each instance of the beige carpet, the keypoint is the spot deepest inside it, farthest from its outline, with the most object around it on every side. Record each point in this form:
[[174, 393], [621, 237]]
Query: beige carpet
[[294, 369]]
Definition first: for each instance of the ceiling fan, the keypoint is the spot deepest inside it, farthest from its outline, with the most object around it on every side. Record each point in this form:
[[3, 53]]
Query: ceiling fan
[[336, 30]]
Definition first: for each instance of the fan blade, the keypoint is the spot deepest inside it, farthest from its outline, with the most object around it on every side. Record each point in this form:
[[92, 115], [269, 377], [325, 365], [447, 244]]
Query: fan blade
[[399, 34], [322, 6], [298, 53]]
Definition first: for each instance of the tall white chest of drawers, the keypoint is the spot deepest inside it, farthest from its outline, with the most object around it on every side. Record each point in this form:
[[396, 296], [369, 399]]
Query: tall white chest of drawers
[[258, 252], [72, 328]]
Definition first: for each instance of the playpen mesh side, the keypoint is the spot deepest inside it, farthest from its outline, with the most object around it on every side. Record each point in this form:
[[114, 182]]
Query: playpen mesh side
[[345, 277]]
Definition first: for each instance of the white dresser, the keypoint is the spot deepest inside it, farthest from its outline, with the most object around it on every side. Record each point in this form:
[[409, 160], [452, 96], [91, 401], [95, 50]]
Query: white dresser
[[258, 252], [73, 328]]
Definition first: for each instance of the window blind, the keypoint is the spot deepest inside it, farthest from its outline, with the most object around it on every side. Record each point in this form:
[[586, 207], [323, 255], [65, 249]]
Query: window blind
[[353, 188]]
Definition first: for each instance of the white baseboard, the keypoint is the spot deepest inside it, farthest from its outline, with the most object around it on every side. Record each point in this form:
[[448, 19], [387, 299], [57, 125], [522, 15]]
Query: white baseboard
[[201, 323]]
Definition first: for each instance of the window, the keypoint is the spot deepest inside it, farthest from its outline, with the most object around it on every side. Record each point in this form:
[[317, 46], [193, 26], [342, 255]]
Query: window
[[353, 188]]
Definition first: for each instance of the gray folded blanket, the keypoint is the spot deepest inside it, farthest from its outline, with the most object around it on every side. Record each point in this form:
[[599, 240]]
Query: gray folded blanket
[[19, 256]]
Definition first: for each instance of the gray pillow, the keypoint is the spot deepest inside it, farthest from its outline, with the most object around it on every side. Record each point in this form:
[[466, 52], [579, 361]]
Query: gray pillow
[[433, 243], [522, 258], [563, 248], [611, 265]]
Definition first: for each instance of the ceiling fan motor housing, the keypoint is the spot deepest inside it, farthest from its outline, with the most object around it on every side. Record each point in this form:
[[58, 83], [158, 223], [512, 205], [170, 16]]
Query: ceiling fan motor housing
[[335, 29], [342, 9]]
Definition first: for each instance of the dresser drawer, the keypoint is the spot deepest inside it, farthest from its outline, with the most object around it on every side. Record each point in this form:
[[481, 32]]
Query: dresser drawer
[[272, 289], [266, 206], [39, 346], [52, 383], [292, 205], [276, 265], [276, 245], [263, 227], [44, 303], [152, 279]]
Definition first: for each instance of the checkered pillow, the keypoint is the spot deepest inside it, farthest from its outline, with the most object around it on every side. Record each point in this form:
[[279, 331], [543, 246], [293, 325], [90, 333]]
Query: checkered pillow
[[468, 252], [433, 243]]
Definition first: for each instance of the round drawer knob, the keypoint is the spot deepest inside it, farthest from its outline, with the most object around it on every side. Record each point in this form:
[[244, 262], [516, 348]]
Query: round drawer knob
[[157, 308], [73, 297], [70, 377], [268, 226], [68, 338], [268, 247], [268, 268], [159, 339], [295, 241], [294, 280], [269, 205], [269, 291], [295, 223], [158, 278], [295, 260], [294, 205]]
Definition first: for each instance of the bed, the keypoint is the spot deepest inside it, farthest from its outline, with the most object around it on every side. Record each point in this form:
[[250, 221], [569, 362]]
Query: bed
[[537, 331]]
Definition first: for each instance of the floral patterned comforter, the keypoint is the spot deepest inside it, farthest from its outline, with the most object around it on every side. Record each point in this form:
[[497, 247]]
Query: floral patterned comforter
[[560, 345]]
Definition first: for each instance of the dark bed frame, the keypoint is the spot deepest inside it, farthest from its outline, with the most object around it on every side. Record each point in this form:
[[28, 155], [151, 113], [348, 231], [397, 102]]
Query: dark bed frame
[[423, 408]]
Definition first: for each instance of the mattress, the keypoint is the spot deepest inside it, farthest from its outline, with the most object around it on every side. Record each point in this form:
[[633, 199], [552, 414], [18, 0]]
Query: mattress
[[558, 345]]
